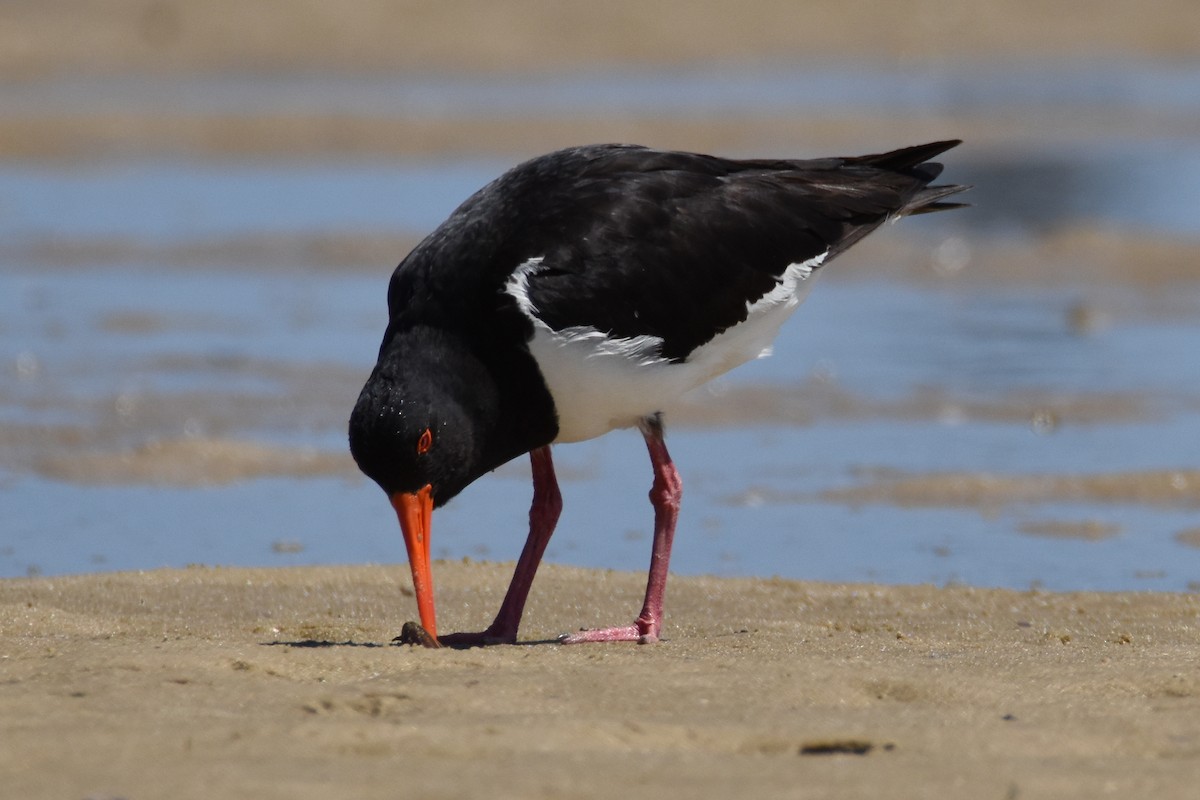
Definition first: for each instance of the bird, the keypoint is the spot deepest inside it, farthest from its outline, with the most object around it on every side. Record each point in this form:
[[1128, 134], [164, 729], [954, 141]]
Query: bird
[[583, 291]]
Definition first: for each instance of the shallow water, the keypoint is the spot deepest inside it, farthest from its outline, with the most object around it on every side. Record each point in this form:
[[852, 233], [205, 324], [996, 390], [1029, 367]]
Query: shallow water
[[105, 355], [1123, 185], [1111, 86], [753, 503]]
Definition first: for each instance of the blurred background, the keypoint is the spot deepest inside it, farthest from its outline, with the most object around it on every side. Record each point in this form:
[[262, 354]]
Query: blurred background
[[201, 204]]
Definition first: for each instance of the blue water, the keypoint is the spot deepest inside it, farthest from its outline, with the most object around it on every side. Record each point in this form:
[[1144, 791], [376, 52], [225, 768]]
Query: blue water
[[60, 528], [752, 504], [1110, 86], [158, 201], [153, 201], [880, 340]]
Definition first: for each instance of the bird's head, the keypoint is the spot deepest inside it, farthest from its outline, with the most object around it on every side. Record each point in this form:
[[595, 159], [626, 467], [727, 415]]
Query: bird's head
[[419, 430]]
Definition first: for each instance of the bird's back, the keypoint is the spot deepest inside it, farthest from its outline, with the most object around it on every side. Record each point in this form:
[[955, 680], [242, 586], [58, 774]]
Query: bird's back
[[607, 262]]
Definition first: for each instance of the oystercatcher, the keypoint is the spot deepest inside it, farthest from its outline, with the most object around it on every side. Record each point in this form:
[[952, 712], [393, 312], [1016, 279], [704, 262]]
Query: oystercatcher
[[583, 291]]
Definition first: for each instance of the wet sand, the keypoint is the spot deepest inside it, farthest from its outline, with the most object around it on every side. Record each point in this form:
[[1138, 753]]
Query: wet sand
[[1076, 255], [982, 490], [206, 683], [173, 133], [167, 36]]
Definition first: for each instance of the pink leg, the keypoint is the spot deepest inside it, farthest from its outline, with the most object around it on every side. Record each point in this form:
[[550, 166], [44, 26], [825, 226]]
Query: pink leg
[[665, 496], [543, 516]]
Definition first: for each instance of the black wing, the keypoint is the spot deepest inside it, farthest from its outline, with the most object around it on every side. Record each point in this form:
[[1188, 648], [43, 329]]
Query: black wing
[[674, 245]]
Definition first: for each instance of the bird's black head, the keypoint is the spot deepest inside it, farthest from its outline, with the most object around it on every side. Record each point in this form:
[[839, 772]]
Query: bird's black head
[[423, 417]]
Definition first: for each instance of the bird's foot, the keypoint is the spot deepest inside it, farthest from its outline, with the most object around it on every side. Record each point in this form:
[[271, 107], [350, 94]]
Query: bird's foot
[[640, 631], [481, 639]]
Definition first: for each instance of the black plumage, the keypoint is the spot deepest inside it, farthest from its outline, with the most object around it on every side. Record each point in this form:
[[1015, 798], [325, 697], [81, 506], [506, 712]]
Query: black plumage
[[637, 241]]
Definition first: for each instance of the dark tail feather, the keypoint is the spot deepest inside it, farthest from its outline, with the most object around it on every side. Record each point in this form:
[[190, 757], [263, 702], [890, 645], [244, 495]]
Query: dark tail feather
[[927, 200], [907, 158], [916, 172], [915, 161]]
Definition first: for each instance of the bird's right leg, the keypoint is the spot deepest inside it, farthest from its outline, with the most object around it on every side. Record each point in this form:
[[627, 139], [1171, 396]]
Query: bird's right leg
[[543, 516]]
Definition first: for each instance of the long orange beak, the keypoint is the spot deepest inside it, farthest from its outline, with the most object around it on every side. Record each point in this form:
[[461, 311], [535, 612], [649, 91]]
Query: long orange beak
[[415, 510]]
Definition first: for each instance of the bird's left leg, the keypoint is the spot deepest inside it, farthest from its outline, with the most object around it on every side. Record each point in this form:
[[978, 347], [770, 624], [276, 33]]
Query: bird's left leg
[[665, 495]]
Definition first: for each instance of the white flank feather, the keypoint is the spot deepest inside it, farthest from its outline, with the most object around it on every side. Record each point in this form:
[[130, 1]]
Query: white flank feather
[[600, 383]]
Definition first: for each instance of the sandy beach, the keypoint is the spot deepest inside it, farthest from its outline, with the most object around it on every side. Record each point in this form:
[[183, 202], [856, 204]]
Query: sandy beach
[[206, 682]]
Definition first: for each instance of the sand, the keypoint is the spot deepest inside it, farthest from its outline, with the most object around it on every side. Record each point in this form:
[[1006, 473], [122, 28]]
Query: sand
[[268, 683], [38, 38]]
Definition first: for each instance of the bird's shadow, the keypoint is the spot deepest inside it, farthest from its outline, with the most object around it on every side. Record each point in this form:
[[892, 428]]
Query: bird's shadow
[[320, 643], [316, 643]]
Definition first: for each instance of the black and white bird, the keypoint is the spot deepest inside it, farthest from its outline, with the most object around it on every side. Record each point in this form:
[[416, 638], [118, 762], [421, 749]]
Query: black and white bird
[[586, 290]]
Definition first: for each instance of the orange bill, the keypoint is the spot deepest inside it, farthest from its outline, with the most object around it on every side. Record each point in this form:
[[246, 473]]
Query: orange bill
[[415, 510]]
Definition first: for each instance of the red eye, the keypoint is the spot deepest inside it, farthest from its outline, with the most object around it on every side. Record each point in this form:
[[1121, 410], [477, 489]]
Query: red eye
[[425, 442]]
